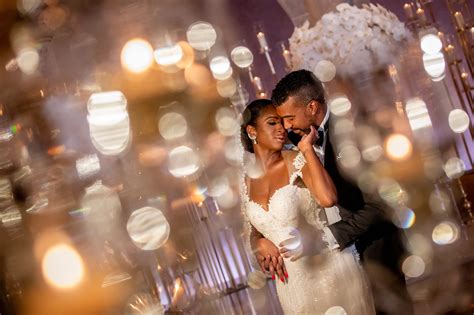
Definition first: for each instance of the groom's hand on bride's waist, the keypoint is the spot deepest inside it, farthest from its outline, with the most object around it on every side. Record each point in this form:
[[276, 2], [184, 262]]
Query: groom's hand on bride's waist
[[304, 241]]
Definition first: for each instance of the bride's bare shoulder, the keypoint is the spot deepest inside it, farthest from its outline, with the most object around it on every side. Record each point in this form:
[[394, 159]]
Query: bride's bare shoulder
[[289, 154]]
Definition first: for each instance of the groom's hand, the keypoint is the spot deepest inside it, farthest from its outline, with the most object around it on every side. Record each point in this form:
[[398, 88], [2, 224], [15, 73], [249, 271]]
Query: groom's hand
[[269, 259], [307, 141], [305, 241]]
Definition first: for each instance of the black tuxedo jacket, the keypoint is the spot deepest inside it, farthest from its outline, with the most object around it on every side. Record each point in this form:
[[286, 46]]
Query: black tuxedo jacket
[[366, 223]]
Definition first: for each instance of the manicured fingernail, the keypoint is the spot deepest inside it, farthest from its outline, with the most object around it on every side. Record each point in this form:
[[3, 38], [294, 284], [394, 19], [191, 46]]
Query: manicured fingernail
[[273, 277], [282, 280], [286, 275]]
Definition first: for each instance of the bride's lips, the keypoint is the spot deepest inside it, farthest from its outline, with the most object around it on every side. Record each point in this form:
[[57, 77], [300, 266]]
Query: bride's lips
[[281, 139]]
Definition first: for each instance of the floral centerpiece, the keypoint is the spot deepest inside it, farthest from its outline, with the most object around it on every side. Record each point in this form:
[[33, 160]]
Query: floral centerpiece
[[354, 39]]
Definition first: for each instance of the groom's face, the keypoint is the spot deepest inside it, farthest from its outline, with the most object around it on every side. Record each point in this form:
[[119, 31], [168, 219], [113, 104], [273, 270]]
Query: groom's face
[[297, 116]]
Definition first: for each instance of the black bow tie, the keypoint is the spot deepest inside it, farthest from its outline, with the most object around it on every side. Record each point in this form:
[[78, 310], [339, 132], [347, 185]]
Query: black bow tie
[[321, 135]]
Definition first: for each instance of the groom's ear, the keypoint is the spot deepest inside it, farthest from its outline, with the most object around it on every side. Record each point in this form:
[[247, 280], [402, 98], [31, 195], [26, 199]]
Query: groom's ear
[[313, 107]]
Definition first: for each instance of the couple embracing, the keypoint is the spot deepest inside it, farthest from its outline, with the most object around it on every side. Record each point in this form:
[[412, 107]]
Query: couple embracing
[[327, 244]]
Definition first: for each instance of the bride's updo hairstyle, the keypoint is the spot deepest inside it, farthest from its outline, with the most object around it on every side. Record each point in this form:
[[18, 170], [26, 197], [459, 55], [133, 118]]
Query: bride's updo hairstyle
[[249, 117]]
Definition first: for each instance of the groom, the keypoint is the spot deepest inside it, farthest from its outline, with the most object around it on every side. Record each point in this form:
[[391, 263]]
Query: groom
[[299, 98]]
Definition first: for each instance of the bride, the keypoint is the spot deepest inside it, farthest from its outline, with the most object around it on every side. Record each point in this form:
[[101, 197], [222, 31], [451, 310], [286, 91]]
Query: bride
[[286, 199]]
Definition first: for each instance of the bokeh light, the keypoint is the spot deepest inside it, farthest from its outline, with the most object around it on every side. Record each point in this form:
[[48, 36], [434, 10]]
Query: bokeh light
[[241, 56], [201, 36], [137, 55], [148, 228], [431, 43], [445, 233], [339, 104], [417, 114], [240, 98], [228, 199], [434, 65], [403, 217], [220, 67], [172, 126], [183, 161], [226, 120], [325, 70], [349, 155], [188, 55], [336, 310], [398, 147], [28, 6], [458, 120], [218, 186], [370, 143], [109, 125], [167, 56], [454, 168], [28, 60], [233, 151], [391, 191], [226, 88], [62, 266], [413, 266], [256, 280]]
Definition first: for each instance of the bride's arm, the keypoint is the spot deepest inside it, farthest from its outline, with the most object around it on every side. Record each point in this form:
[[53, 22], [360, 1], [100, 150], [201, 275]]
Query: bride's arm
[[315, 176]]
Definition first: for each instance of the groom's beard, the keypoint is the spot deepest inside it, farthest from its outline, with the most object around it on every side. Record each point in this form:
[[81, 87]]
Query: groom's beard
[[294, 137]]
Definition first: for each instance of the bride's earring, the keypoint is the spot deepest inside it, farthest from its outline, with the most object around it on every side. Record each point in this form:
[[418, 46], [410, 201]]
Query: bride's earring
[[253, 138]]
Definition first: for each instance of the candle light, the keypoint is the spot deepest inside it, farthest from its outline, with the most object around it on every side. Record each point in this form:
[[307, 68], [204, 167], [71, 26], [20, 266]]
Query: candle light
[[262, 41], [421, 15], [286, 55], [459, 20], [442, 38], [408, 11], [464, 74], [258, 84], [450, 49]]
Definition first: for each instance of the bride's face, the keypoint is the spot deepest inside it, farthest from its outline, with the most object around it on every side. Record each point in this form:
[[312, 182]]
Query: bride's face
[[269, 129]]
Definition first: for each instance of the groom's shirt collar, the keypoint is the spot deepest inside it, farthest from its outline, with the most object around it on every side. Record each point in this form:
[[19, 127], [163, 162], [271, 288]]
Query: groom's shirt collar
[[323, 126], [320, 145]]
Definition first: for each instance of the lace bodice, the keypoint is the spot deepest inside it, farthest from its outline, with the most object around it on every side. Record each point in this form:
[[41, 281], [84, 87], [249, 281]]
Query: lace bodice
[[315, 283]]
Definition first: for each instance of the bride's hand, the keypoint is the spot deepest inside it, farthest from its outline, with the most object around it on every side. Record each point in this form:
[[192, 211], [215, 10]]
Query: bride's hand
[[306, 143], [270, 260]]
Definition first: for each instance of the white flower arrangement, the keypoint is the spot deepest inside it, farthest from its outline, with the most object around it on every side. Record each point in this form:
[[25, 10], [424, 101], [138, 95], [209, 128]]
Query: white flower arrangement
[[354, 39]]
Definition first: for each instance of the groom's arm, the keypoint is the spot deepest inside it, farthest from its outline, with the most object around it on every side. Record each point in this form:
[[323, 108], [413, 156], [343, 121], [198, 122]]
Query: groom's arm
[[348, 230]]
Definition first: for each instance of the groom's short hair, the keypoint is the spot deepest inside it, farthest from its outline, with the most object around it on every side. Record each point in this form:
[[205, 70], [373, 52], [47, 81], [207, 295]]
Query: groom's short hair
[[302, 84]]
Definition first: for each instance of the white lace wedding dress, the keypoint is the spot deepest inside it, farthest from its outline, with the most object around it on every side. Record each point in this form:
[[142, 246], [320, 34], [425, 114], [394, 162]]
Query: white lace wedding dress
[[331, 282]]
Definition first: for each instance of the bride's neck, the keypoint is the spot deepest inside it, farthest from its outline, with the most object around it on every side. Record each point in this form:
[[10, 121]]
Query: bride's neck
[[267, 157]]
